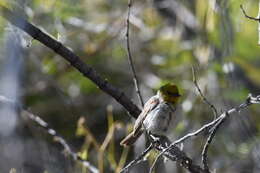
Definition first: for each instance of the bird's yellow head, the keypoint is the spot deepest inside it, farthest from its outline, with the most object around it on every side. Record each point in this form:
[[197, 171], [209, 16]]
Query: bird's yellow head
[[169, 93]]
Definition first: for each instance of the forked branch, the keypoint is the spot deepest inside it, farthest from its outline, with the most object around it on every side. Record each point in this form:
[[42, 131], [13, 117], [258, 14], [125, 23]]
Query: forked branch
[[214, 126]]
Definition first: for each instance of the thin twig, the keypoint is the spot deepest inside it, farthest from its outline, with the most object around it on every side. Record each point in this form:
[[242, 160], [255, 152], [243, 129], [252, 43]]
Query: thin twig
[[176, 154], [138, 159], [209, 140], [72, 58], [129, 54], [250, 100], [247, 16], [254, 18], [201, 94], [58, 138]]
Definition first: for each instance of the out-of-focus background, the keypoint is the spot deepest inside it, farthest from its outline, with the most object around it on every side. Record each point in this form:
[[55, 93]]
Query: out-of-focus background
[[167, 38]]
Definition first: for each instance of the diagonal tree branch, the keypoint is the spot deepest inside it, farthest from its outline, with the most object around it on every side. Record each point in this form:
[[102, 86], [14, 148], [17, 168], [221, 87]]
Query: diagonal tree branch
[[58, 138], [84, 69], [170, 150], [72, 58], [177, 155], [138, 159]]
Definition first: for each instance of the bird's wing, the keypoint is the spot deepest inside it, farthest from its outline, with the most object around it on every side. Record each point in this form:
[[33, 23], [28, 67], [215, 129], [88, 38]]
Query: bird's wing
[[148, 107]]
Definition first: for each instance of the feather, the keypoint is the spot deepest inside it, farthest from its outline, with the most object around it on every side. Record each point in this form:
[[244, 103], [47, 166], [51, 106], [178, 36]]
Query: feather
[[130, 139], [148, 107]]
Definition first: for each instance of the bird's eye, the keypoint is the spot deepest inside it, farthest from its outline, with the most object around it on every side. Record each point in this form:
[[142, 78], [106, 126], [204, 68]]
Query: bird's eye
[[173, 94]]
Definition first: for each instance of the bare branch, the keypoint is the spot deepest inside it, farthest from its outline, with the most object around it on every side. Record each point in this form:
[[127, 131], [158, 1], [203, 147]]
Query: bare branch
[[201, 94], [175, 154], [138, 159], [249, 17], [209, 140], [129, 54], [254, 18], [212, 134], [58, 138], [72, 58], [250, 100]]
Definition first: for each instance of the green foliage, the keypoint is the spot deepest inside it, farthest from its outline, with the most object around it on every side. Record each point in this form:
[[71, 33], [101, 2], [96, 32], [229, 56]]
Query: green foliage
[[163, 50]]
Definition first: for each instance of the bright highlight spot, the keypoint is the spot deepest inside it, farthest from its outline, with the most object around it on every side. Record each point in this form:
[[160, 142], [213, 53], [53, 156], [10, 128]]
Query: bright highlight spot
[[228, 67], [186, 105]]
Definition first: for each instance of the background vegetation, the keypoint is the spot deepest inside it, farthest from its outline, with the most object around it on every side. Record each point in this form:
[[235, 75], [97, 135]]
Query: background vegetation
[[166, 40]]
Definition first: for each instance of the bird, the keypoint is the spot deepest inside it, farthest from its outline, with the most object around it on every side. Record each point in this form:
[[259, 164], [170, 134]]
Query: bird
[[157, 114]]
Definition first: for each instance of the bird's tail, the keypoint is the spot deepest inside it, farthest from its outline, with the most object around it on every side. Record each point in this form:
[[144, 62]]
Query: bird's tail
[[131, 138]]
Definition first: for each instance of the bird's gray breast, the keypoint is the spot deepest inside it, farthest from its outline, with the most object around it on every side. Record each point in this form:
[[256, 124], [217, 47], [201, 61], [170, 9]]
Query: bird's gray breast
[[159, 119]]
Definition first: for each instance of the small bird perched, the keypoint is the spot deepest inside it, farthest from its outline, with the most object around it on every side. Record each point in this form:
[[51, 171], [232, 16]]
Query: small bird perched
[[157, 114]]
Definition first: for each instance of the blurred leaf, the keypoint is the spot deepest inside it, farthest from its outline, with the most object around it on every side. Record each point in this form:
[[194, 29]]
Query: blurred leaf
[[251, 71], [238, 94], [49, 66]]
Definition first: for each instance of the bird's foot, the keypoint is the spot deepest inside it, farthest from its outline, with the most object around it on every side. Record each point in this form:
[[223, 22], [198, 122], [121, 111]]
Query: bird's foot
[[155, 139]]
